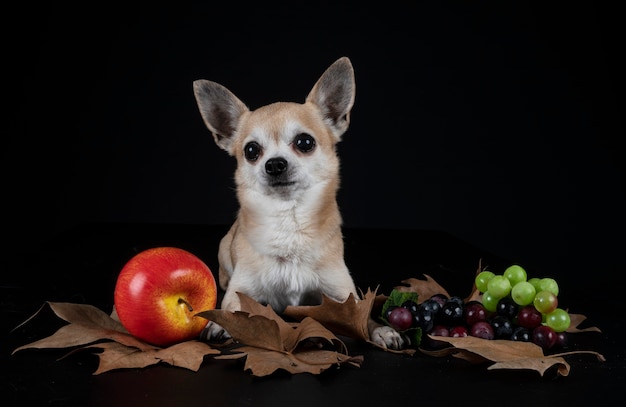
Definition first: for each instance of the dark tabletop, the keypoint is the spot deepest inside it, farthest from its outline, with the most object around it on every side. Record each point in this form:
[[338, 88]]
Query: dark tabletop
[[81, 266]]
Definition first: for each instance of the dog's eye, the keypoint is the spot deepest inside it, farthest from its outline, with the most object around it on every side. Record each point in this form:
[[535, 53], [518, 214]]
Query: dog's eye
[[252, 151], [304, 142]]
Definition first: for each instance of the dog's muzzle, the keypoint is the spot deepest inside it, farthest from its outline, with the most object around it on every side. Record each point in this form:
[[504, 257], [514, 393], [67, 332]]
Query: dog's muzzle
[[278, 176], [276, 166]]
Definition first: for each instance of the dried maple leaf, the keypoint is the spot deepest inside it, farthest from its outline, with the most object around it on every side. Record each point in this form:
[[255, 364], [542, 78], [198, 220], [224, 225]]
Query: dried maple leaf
[[262, 362], [88, 325], [348, 318], [269, 343], [576, 320], [429, 287], [505, 353], [540, 365], [114, 355], [424, 288], [496, 350]]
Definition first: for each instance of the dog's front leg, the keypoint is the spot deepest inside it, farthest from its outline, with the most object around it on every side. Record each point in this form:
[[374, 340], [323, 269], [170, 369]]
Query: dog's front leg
[[385, 336], [214, 332]]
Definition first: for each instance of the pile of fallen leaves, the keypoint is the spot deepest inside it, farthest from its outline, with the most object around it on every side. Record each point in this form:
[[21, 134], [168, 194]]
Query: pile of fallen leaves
[[268, 343]]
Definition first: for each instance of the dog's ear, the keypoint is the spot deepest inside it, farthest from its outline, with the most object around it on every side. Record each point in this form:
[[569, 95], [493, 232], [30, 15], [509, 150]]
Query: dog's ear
[[334, 94], [220, 110]]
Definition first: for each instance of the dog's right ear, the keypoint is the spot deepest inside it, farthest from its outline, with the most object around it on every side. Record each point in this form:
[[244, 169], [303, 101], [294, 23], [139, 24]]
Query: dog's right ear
[[220, 110]]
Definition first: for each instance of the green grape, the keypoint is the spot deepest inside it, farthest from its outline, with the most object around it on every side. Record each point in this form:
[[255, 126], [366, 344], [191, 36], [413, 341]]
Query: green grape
[[482, 279], [545, 302], [549, 284], [523, 293], [559, 320], [515, 274], [490, 302], [535, 282], [499, 286]]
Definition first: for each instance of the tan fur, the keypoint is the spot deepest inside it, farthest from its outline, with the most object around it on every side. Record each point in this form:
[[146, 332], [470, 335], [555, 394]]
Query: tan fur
[[286, 245]]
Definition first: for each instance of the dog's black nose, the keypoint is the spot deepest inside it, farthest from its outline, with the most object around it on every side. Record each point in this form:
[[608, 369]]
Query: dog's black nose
[[276, 166]]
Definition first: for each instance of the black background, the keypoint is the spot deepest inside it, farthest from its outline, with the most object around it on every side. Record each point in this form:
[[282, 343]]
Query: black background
[[488, 130], [500, 123]]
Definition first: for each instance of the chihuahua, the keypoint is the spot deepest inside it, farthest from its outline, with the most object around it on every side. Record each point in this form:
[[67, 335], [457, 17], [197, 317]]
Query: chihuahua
[[286, 244]]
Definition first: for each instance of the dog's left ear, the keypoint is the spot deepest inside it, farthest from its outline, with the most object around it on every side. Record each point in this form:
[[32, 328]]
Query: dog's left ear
[[334, 94]]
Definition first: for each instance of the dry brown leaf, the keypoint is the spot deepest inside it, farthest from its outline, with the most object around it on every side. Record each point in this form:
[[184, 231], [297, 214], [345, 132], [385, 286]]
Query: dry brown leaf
[[541, 365], [189, 355], [260, 326], [576, 320], [262, 362], [348, 318], [88, 325], [269, 343], [308, 327], [458, 353], [506, 354], [424, 288], [496, 350], [429, 287]]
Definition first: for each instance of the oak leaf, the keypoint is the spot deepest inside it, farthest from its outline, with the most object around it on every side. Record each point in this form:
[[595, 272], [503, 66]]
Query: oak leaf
[[269, 343], [88, 326]]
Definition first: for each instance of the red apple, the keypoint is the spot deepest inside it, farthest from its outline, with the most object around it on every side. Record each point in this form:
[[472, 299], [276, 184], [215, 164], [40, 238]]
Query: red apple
[[159, 291]]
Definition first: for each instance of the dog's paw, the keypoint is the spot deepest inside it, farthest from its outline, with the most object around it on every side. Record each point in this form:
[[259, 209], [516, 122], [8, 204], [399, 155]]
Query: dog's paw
[[388, 338], [214, 332]]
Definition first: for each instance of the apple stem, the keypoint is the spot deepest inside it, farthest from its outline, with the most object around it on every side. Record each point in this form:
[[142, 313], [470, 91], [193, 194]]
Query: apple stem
[[182, 301]]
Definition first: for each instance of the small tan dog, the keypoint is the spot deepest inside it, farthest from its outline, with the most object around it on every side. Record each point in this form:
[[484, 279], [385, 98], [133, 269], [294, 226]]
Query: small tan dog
[[286, 245]]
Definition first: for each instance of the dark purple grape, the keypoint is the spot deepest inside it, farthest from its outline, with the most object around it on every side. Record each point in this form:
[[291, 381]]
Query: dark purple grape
[[440, 298], [431, 305], [388, 311], [423, 319], [452, 313], [529, 317], [440, 330], [410, 305], [521, 334], [458, 331], [473, 312], [562, 339], [544, 336], [400, 318], [457, 299], [502, 327], [507, 308], [482, 330]]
